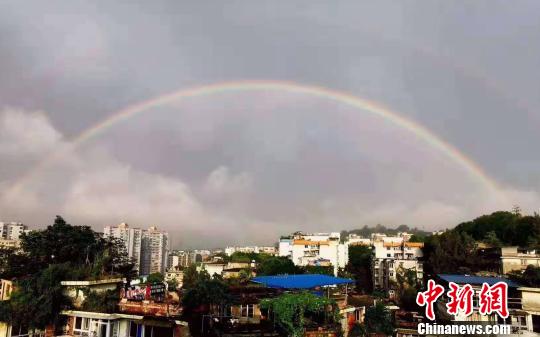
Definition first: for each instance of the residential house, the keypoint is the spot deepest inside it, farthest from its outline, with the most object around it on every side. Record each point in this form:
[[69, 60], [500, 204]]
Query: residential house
[[392, 254], [308, 249], [517, 259], [530, 305]]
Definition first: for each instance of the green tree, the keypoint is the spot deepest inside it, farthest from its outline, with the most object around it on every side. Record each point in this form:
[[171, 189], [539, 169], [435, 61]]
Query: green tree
[[293, 311], [48, 256], [492, 239], [154, 278], [38, 300], [105, 301], [324, 270], [418, 238], [449, 252], [205, 293], [358, 330], [192, 277], [62, 242], [530, 277], [379, 320], [172, 285], [277, 266], [359, 267]]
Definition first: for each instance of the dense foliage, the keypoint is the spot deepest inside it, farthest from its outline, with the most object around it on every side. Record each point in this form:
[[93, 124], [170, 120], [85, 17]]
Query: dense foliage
[[277, 265], [457, 250], [154, 278], [359, 267], [508, 228], [407, 287], [367, 231], [201, 291], [530, 277], [59, 252], [37, 300], [378, 320], [293, 311], [324, 270], [105, 301], [248, 257]]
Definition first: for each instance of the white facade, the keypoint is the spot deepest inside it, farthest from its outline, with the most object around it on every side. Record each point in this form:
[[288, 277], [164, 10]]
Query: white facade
[[177, 275], [173, 262], [154, 254], [132, 238], [315, 249], [357, 240], [12, 230], [212, 268], [530, 301], [392, 253], [147, 248], [517, 259], [251, 249]]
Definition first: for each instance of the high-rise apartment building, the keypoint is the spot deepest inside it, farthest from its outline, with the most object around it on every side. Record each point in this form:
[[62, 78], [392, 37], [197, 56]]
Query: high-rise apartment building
[[155, 247], [147, 248]]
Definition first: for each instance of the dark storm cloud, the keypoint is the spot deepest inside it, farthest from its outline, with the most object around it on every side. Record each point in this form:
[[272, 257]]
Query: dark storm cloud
[[467, 71]]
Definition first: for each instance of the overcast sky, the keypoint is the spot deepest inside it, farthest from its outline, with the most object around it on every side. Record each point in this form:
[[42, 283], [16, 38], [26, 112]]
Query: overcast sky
[[245, 167]]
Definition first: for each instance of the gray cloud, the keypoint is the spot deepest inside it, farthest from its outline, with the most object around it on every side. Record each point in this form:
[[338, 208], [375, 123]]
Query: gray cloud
[[232, 167]]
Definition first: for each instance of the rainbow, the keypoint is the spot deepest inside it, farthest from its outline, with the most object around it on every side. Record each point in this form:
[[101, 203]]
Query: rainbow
[[291, 87]]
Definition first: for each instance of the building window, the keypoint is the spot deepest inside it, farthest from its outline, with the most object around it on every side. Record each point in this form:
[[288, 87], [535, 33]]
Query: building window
[[134, 329], [246, 310], [523, 262], [82, 326], [19, 331]]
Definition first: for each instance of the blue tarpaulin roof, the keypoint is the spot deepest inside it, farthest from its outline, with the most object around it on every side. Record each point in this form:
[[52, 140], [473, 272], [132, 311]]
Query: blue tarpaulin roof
[[476, 280], [303, 281]]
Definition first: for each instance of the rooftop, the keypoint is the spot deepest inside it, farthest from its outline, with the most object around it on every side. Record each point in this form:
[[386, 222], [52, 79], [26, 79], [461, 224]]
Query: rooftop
[[476, 280], [303, 281]]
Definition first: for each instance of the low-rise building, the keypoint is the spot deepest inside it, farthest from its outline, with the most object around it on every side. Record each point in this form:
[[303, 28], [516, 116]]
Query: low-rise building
[[517, 259], [10, 244], [78, 290], [212, 267], [357, 240], [530, 304], [12, 230], [175, 274], [390, 255], [307, 249], [85, 323], [270, 250]]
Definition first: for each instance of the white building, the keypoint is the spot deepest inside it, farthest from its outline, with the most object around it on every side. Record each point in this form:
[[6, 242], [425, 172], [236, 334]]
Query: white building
[[132, 238], [530, 301], [154, 254], [175, 274], [517, 259], [173, 261], [392, 253], [12, 230], [212, 268], [315, 249], [357, 240], [147, 248], [251, 249]]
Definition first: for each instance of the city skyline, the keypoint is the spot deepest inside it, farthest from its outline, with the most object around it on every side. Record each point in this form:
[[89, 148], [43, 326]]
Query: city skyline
[[283, 117]]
